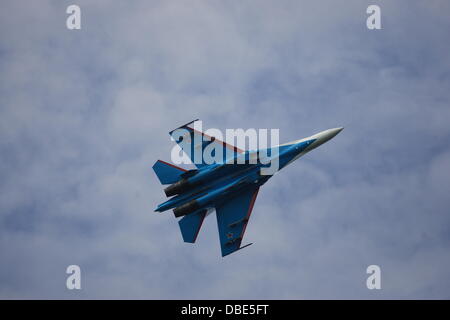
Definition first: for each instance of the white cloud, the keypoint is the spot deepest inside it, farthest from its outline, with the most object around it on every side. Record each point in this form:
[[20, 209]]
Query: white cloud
[[84, 114]]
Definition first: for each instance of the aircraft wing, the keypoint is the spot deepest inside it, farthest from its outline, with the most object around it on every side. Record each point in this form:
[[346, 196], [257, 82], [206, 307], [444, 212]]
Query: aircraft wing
[[232, 219], [194, 143]]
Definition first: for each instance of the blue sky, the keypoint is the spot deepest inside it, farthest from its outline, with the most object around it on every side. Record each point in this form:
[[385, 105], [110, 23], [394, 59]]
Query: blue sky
[[85, 114]]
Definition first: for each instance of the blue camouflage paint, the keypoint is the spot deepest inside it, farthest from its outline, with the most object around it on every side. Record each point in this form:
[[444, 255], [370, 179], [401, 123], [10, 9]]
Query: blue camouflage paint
[[229, 187]]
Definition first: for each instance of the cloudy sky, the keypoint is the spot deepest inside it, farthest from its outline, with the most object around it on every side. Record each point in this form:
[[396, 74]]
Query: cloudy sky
[[85, 113]]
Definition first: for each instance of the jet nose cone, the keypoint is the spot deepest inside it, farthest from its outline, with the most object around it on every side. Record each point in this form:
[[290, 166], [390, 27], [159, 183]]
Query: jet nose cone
[[333, 132], [324, 136], [329, 134]]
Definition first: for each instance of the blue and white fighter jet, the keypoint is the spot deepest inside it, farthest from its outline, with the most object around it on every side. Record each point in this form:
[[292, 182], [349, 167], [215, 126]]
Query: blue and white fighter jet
[[228, 186]]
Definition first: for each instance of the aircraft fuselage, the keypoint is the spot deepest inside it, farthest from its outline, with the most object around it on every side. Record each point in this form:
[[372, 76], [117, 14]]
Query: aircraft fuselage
[[205, 188]]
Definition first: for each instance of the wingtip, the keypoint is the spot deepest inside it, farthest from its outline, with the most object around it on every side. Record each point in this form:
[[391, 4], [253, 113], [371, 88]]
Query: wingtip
[[184, 125], [245, 246]]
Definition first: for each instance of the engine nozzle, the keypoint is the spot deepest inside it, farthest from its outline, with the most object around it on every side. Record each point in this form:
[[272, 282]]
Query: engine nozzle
[[176, 188], [186, 208]]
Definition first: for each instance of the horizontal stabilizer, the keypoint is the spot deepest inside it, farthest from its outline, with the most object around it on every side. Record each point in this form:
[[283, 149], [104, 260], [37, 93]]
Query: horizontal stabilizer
[[167, 173], [190, 225]]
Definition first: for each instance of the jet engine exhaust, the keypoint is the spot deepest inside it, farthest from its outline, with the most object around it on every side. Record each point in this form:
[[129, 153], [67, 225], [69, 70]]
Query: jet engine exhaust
[[177, 188], [186, 208]]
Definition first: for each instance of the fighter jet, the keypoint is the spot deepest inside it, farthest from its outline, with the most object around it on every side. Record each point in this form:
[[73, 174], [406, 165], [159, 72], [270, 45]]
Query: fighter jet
[[229, 185]]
